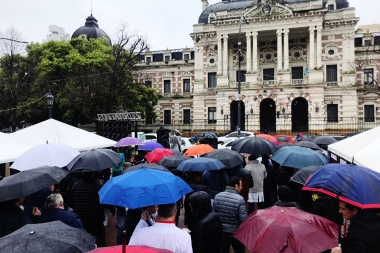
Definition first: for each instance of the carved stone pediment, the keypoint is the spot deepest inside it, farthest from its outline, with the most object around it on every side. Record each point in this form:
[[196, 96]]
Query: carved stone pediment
[[297, 54], [268, 55], [331, 52], [267, 8]]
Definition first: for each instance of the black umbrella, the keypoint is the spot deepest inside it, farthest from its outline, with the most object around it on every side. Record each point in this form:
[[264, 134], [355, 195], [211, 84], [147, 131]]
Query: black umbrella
[[308, 144], [53, 236], [254, 146], [146, 166], [285, 145], [173, 161], [30, 181], [303, 174], [324, 140], [94, 160], [230, 158]]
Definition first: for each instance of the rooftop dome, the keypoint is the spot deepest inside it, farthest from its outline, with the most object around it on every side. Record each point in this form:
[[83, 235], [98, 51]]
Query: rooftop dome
[[226, 5], [91, 30]]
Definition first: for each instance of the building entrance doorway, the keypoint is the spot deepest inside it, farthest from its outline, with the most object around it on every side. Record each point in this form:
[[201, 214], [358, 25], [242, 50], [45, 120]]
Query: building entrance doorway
[[234, 115], [267, 116], [300, 115]]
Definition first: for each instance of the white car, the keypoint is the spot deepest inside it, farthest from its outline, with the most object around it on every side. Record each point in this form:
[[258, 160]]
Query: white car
[[151, 137], [186, 143], [233, 136], [227, 145]]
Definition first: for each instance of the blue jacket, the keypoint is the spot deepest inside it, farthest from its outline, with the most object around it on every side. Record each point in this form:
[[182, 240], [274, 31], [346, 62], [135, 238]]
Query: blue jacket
[[69, 218], [216, 181]]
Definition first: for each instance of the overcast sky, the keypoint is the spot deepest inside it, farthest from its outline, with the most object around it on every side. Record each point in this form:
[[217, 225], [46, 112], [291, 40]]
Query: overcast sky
[[166, 23]]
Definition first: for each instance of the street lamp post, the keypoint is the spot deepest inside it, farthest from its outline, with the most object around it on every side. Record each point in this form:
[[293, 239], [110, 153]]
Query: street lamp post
[[239, 77], [50, 103]]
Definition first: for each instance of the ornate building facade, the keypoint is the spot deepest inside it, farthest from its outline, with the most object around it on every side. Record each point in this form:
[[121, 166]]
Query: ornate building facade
[[303, 69]]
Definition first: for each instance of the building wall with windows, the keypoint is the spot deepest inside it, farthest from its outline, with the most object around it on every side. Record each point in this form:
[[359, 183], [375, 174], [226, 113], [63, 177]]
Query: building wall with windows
[[303, 68]]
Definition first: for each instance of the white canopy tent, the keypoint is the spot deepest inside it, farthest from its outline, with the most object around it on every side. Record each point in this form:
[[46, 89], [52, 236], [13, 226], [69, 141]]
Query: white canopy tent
[[53, 131], [362, 149], [11, 147]]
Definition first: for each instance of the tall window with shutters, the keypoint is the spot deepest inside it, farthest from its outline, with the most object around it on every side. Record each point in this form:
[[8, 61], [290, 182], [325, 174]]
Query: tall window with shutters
[[211, 80], [332, 113], [331, 73], [186, 85], [167, 87], [167, 117], [369, 113], [212, 115], [186, 116], [368, 76]]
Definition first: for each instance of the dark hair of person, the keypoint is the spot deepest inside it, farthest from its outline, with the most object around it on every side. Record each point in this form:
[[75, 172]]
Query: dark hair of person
[[284, 193], [166, 210], [234, 181], [252, 157], [350, 207], [265, 160]]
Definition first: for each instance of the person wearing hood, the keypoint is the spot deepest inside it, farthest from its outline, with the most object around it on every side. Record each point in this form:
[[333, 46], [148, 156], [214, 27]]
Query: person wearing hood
[[284, 197], [207, 231]]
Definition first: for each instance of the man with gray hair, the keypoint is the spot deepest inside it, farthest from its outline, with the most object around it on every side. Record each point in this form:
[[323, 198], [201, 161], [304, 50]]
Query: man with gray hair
[[54, 210]]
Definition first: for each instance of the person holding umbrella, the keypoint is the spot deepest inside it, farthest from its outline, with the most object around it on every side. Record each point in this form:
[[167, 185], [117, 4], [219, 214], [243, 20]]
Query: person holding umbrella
[[84, 201], [360, 231], [12, 217]]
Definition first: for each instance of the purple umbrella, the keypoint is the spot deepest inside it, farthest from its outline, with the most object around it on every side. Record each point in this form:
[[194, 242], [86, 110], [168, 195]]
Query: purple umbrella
[[128, 141], [150, 146]]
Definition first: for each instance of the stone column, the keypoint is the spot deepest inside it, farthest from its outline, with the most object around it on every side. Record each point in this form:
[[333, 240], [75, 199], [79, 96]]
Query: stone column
[[220, 59], [248, 35], [279, 50], [254, 52], [319, 46], [225, 55], [286, 49], [311, 48]]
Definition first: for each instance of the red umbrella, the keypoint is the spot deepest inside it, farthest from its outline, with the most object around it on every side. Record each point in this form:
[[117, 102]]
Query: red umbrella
[[287, 230], [130, 249], [156, 155]]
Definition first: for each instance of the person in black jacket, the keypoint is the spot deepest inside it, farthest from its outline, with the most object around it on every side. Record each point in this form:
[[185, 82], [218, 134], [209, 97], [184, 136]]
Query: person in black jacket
[[362, 233], [12, 217], [270, 187], [84, 200], [284, 197], [207, 232]]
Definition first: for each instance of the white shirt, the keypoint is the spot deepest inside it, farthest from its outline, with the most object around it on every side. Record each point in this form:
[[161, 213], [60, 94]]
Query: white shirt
[[163, 236]]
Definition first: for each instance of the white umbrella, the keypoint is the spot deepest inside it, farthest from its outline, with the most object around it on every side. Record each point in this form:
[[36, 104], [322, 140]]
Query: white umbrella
[[52, 154]]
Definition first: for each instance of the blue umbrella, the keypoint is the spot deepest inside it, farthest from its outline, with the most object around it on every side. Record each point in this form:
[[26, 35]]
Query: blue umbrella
[[353, 184], [298, 157], [144, 187], [200, 164], [150, 146]]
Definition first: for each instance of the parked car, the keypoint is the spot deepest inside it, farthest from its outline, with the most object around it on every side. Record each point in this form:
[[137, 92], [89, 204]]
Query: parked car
[[282, 139], [186, 143], [233, 136], [305, 137], [204, 135], [151, 137], [227, 145]]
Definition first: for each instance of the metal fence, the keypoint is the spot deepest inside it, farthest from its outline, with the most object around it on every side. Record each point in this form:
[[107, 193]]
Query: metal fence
[[315, 125]]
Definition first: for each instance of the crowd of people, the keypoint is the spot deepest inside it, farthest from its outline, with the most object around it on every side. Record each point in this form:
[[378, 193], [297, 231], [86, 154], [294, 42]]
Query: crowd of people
[[220, 202]]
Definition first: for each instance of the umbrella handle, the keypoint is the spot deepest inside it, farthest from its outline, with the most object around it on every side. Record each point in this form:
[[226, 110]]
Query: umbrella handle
[[124, 247]]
